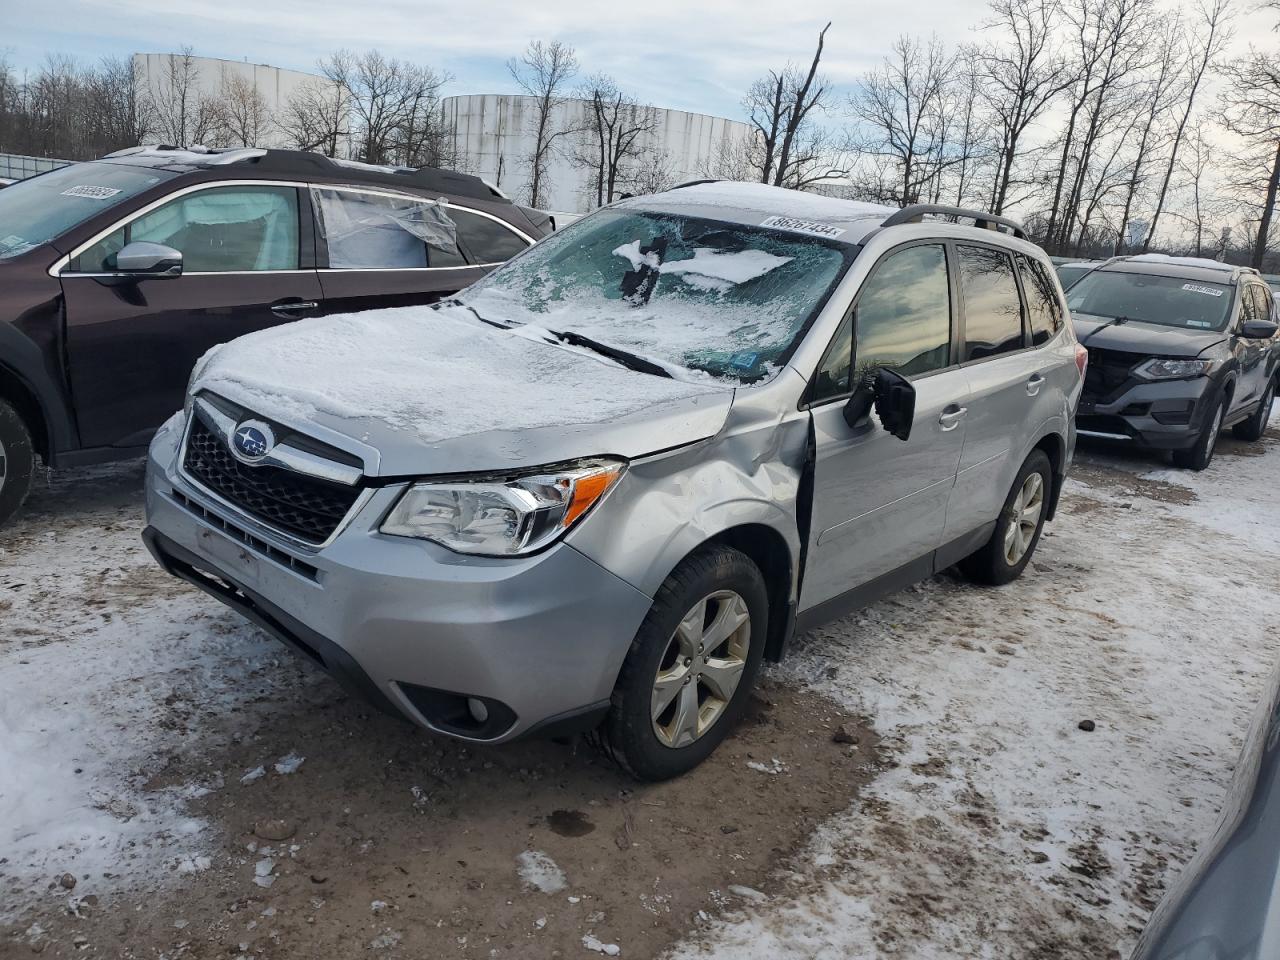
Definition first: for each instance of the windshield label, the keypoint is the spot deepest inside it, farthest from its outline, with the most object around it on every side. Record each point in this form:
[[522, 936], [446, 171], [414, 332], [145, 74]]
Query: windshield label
[[803, 226], [1207, 291], [1199, 323], [90, 192]]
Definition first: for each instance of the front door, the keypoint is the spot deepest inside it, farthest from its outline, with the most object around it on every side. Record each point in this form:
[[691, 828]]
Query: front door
[[880, 503], [131, 346]]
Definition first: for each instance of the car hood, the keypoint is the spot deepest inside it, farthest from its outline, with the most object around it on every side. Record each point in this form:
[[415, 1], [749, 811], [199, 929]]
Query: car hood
[[1137, 337], [433, 390]]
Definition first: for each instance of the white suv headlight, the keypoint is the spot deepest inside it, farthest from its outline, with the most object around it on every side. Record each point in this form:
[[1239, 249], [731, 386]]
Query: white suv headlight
[[502, 518], [1158, 369]]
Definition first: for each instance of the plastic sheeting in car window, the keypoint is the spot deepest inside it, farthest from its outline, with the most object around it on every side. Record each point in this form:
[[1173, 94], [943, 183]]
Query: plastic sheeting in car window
[[364, 230]]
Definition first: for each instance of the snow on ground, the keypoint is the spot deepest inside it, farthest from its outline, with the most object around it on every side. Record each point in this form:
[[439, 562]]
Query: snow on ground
[[85, 708], [1001, 828]]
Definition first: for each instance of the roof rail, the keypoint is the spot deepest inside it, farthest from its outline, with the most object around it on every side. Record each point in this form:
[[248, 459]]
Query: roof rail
[[983, 221], [695, 183]]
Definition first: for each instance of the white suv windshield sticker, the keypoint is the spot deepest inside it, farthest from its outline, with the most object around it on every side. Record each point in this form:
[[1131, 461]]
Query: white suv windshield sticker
[[803, 226], [90, 192], [1208, 291]]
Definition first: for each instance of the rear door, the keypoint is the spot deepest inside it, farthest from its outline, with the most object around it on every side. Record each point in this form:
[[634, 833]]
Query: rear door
[[880, 503], [1005, 384], [384, 249], [1255, 304], [248, 260]]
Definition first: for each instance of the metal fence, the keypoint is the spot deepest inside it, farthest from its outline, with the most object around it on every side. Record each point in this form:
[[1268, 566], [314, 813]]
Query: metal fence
[[14, 166]]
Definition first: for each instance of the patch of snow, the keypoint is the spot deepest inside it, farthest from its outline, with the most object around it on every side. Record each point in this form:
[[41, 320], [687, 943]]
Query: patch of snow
[[385, 940], [441, 374], [773, 766], [539, 871], [289, 763], [747, 893], [377, 906], [257, 773], [734, 198], [727, 268], [592, 942], [1000, 829], [193, 864]]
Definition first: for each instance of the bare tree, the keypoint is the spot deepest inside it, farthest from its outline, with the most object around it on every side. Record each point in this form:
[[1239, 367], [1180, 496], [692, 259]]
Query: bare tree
[[1203, 50], [183, 115], [243, 116], [1020, 75], [901, 109], [1251, 110], [317, 117], [782, 107], [612, 138], [543, 72]]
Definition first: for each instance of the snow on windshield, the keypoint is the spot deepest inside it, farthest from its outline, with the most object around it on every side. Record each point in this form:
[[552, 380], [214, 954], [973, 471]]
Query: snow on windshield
[[704, 297]]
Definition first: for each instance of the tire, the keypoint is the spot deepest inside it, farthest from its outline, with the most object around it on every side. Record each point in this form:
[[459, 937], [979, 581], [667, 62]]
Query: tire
[[1251, 430], [1200, 454], [725, 585], [1004, 557], [17, 462]]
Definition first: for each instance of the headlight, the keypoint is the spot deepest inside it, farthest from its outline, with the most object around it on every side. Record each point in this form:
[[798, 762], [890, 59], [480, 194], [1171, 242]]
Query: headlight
[[502, 518], [196, 371], [1173, 369]]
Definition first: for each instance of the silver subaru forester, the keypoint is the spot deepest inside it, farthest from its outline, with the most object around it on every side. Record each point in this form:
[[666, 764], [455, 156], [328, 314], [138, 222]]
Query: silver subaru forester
[[600, 486]]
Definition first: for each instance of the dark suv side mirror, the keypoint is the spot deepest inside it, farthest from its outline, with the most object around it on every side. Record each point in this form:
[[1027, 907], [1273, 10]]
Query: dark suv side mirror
[[145, 260], [1258, 329], [894, 399]]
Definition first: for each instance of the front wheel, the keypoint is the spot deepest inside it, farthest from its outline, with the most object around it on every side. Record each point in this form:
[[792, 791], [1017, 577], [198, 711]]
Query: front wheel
[[1251, 430], [1200, 454], [1017, 531], [17, 462], [691, 667]]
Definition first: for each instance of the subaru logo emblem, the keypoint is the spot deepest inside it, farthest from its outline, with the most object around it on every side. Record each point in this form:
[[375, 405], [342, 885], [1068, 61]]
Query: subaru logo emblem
[[252, 440]]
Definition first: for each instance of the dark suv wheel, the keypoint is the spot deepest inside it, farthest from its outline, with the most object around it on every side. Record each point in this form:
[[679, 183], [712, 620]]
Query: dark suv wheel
[[17, 462], [1200, 454], [691, 667], [1253, 428]]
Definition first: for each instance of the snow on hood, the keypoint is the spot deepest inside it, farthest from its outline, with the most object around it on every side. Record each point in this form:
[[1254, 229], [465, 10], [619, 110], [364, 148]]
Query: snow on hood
[[434, 389]]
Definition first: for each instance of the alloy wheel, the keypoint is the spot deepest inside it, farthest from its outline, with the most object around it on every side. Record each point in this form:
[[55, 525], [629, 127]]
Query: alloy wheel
[[701, 668], [1027, 507], [4, 464]]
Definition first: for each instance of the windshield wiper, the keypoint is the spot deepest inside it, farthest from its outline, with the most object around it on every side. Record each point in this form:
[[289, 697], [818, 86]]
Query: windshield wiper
[[632, 361], [1113, 322], [467, 306]]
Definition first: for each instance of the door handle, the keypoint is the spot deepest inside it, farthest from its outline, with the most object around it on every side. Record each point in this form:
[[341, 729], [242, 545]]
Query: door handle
[[292, 307], [951, 416], [1034, 384]]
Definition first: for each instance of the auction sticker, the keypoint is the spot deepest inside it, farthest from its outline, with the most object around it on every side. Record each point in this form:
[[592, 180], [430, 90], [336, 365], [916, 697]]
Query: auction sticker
[[1207, 291], [90, 192], [803, 226]]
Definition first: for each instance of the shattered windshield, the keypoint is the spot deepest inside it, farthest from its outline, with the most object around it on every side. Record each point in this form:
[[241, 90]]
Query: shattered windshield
[[703, 295], [1168, 301]]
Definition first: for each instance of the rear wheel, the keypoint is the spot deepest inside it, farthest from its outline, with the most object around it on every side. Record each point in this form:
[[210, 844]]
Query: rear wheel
[[1017, 531], [691, 666], [17, 462], [1200, 454], [1253, 428]]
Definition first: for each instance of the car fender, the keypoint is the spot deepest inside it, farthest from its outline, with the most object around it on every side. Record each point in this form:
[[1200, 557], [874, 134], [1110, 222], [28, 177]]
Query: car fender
[[23, 362]]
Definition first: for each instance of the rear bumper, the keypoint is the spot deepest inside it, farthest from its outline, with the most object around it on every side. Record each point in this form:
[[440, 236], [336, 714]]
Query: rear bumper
[[1165, 415], [407, 625]]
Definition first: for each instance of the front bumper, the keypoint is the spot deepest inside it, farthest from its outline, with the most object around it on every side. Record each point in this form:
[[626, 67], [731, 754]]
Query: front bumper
[[406, 624], [1162, 415]]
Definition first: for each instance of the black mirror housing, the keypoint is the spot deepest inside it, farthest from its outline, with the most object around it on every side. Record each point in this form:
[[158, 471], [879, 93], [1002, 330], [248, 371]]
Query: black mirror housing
[[893, 397], [1258, 329]]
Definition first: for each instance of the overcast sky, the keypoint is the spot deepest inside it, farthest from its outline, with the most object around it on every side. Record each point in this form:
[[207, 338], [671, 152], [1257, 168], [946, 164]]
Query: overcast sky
[[698, 57]]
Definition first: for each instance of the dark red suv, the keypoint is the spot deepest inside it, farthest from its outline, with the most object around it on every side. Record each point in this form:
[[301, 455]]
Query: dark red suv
[[116, 275]]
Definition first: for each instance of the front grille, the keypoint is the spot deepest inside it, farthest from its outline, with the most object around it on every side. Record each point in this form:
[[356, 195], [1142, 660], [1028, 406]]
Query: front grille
[[304, 507], [1108, 372]]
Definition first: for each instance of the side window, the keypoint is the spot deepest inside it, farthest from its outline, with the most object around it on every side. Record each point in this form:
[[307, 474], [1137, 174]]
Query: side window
[[1262, 297], [371, 231], [486, 240], [220, 230], [1044, 309], [1248, 304], [993, 312], [903, 317]]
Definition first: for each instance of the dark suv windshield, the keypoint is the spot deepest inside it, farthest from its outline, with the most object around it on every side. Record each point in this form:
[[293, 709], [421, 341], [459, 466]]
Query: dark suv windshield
[[1170, 301], [38, 210], [727, 299]]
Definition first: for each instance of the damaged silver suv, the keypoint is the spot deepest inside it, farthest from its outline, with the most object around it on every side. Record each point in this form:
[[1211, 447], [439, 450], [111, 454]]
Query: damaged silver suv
[[600, 486]]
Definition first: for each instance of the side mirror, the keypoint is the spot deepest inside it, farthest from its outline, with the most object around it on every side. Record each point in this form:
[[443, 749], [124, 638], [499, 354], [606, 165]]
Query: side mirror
[[145, 260], [1258, 329], [893, 397]]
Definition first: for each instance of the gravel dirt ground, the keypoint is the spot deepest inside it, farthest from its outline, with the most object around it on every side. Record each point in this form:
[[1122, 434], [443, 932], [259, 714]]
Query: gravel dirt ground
[[175, 784]]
